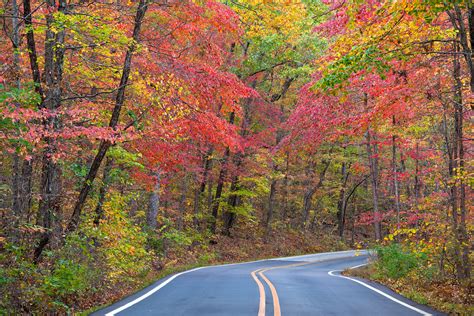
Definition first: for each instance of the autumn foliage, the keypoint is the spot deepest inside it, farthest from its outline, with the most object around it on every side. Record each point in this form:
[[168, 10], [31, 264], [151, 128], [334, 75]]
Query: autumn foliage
[[139, 136]]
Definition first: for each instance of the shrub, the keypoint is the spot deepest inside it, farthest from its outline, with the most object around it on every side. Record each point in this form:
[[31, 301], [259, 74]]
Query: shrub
[[68, 277], [394, 262]]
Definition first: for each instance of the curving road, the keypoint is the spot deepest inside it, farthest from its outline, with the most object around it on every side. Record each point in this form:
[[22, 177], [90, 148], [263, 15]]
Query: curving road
[[301, 285]]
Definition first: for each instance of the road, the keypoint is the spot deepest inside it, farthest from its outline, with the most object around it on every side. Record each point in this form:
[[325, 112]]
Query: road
[[302, 285]]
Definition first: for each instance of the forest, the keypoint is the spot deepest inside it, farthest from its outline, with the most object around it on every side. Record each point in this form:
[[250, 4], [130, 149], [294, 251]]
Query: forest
[[141, 138]]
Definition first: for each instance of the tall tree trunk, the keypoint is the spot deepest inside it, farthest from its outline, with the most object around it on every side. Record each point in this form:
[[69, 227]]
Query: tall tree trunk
[[27, 170], [465, 36], [374, 178], [182, 203], [308, 196], [114, 119], [417, 185], [16, 196], [284, 211], [220, 184], [99, 211], [219, 188], [271, 206], [26, 188], [229, 215], [209, 198], [458, 190], [341, 204], [196, 202], [49, 210], [22, 168], [395, 175], [154, 202], [344, 208], [202, 187]]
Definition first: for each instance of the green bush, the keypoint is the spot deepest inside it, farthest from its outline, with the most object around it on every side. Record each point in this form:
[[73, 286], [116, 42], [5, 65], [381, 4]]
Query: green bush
[[68, 277], [394, 262]]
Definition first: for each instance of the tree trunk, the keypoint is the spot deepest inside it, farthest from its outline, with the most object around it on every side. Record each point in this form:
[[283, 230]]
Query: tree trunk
[[202, 187], [284, 211], [229, 215], [22, 168], [458, 190], [16, 196], [375, 194], [417, 185], [341, 204], [49, 210], [310, 192], [219, 188], [182, 203], [209, 195], [395, 176], [197, 200], [99, 211], [220, 184], [154, 202], [271, 202]]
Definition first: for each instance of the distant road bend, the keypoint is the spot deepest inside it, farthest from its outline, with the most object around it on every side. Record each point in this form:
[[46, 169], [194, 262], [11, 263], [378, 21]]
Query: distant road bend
[[301, 285]]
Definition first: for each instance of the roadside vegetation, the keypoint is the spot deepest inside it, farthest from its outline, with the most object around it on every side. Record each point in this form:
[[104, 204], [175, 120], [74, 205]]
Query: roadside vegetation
[[142, 137], [419, 277]]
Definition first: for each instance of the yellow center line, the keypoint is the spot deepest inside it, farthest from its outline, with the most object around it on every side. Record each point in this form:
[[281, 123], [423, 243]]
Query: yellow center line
[[276, 301], [261, 288]]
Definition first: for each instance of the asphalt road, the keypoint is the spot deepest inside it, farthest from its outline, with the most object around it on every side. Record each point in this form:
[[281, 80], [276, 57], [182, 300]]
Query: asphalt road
[[303, 285]]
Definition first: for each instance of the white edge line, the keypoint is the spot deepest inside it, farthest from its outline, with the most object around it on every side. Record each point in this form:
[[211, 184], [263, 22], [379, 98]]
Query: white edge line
[[331, 273], [358, 266], [144, 296]]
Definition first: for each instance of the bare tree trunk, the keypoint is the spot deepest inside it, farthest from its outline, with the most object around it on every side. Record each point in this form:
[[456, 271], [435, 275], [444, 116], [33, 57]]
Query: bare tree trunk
[[417, 185], [458, 190], [219, 188], [341, 204], [310, 192], [346, 203], [271, 206], [154, 203], [466, 40], [22, 168], [200, 190], [27, 169], [197, 200], [49, 211], [284, 211], [209, 195], [395, 176], [114, 119], [182, 203], [26, 188], [16, 158], [375, 194], [220, 184], [99, 211], [229, 215]]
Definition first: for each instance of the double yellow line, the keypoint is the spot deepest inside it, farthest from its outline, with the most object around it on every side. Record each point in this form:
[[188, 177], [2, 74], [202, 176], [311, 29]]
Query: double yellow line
[[261, 288]]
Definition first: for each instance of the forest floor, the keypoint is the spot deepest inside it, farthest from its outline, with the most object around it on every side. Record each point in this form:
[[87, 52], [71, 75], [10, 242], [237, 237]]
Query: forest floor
[[240, 247], [444, 295]]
